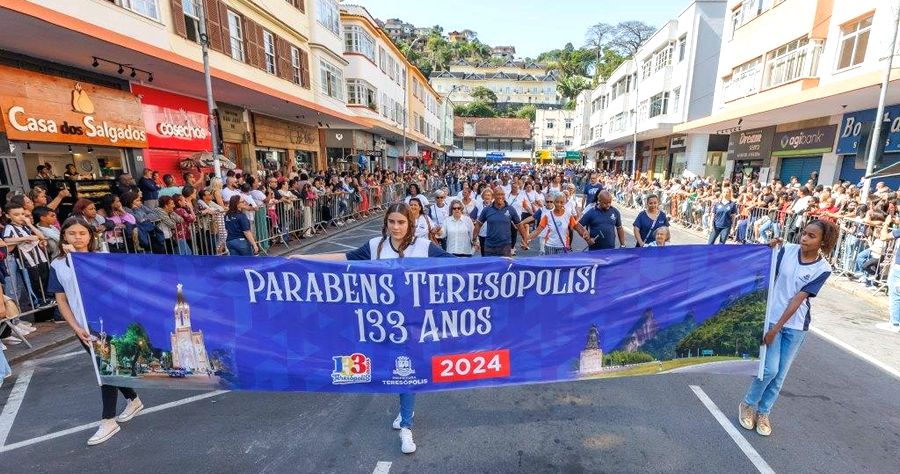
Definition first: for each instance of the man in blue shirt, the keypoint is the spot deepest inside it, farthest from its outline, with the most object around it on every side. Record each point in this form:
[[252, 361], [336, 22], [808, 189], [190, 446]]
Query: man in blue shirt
[[604, 223], [591, 189], [500, 218]]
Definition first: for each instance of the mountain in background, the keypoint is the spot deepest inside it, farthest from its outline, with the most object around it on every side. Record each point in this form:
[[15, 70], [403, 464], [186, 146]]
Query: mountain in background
[[735, 329], [644, 330]]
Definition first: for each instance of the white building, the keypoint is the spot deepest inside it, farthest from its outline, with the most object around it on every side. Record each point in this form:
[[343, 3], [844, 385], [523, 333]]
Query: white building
[[515, 83], [671, 81], [554, 132], [795, 69]]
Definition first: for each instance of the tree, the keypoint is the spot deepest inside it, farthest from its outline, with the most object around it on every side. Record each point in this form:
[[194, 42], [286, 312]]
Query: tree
[[598, 38], [630, 35], [133, 345], [608, 63], [483, 94], [527, 111], [475, 109], [570, 86]]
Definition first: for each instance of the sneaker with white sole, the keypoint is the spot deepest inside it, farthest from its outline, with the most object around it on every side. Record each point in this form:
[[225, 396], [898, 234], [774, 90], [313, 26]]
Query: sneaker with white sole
[[763, 425], [131, 410], [23, 322], [407, 445], [25, 330], [747, 416], [11, 340], [107, 429], [397, 421]]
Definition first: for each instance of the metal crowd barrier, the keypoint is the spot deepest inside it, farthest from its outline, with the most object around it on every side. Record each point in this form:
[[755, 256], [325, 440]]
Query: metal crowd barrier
[[26, 286]]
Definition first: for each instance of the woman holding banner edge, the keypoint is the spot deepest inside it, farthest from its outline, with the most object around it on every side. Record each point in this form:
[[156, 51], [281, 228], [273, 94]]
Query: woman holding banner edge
[[398, 240]]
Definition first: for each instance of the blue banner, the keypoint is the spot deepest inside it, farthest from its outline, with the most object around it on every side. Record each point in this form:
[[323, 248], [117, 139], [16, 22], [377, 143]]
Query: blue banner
[[852, 127], [418, 324]]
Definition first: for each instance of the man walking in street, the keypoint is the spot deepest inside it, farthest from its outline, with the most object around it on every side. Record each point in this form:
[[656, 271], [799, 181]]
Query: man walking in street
[[604, 223], [499, 218]]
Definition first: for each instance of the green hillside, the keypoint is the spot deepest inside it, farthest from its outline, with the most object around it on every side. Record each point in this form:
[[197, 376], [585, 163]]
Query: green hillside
[[734, 329]]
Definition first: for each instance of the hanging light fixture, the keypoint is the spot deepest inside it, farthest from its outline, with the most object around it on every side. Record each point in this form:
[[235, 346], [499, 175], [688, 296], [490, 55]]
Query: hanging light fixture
[[150, 78], [90, 149], [95, 63], [121, 69], [70, 148], [133, 73]]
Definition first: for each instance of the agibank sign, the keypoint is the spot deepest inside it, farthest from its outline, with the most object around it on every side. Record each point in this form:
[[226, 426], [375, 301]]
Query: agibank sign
[[856, 125], [42, 108], [808, 141]]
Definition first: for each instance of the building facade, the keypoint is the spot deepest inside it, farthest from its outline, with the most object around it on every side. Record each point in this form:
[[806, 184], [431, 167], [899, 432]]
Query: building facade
[[553, 133], [491, 139], [796, 89], [279, 74], [515, 83], [669, 81]]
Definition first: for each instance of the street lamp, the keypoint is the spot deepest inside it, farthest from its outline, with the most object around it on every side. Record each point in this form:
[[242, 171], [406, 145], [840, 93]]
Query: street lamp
[[210, 104]]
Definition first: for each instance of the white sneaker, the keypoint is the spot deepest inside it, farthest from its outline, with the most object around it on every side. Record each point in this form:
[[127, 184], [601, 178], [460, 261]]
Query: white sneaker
[[131, 410], [25, 329], [23, 322], [12, 340], [107, 429], [407, 445], [397, 421]]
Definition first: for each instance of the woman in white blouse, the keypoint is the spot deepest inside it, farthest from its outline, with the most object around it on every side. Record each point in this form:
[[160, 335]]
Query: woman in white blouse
[[458, 230]]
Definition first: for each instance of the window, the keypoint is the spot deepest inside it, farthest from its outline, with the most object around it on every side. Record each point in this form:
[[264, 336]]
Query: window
[[331, 79], [358, 40], [236, 36], [147, 8], [360, 92], [795, 60], [662, 58], [744, 80], [329, 16], [296, 74], [549, 123], [682, 48], [191, 9], [646, 69], [269, 51], [676, 98], [568, 123], [548, 142], [854, 41], [659, 104], [735, 20], [382, 59], [567, 142]]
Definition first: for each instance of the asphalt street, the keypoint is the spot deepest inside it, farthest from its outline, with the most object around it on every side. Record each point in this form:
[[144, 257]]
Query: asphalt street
[[838, 413]]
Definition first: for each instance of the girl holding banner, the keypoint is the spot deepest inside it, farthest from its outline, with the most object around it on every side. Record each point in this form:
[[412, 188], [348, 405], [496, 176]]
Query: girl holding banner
[[398, 240], [76, 235], [800, 272]]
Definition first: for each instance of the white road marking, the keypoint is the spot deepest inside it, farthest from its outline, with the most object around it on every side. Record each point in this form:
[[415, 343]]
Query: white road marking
[[13, 403], [858, 353], [342, 245], [76, 429], [736, 435], [383, 467], [55, 358]]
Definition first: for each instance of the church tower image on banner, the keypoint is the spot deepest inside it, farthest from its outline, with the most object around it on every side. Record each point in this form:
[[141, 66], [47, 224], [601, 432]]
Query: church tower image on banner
[[188, 348]]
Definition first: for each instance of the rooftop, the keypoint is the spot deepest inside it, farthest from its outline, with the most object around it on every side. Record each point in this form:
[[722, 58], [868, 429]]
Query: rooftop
[[494, 127]]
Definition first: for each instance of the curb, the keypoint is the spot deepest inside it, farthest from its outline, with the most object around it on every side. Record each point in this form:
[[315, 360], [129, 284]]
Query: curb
[[41, 350]]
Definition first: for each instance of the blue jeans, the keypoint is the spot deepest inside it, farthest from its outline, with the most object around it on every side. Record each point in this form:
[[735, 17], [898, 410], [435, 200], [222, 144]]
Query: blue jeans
[[183, 247], [894, 294], [4, 367], [779, 356], [720, 233], [861, 259], [407, 407], [239, 247]]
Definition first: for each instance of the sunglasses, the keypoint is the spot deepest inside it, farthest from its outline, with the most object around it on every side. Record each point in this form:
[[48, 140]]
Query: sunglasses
[[456, 208]]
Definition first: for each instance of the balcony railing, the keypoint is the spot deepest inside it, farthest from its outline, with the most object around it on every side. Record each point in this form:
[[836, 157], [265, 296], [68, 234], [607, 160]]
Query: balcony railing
[[742, 84], [799, 63]]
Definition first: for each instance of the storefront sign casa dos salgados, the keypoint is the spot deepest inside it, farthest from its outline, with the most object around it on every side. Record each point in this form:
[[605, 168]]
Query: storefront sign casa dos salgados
[[43, 108], [855, 124]]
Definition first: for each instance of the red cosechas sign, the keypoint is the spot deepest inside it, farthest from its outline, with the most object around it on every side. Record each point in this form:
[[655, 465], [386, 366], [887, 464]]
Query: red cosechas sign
[[174, 122]]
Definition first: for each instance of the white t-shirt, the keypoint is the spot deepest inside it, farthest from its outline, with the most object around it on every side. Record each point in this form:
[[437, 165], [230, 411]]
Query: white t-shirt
[[517, 201], [422, 226], [792, 277], [66, 277], [557, 228]]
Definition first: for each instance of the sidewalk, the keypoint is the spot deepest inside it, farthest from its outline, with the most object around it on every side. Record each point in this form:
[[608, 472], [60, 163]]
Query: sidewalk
[[847, 313]]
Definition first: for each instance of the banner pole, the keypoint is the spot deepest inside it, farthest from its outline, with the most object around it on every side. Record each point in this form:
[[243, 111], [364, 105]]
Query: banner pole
[[84, 320], [769, 295]]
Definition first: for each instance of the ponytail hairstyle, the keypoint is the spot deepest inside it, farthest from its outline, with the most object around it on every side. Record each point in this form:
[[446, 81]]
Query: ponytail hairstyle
[[829, 235], [400, 208], [72, 221]]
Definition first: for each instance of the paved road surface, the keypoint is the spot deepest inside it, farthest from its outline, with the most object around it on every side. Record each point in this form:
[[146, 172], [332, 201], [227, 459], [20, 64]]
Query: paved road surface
[[838, 413]]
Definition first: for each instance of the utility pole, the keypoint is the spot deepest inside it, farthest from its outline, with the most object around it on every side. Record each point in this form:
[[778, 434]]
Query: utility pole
[[406, 96], [879, 115], [210, 103]]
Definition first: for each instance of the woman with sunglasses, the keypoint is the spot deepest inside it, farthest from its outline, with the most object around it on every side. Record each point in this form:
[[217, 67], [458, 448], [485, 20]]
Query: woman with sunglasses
[[458, 230]]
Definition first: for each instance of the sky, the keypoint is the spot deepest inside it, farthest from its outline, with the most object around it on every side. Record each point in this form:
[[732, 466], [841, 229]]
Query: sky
[[531, 26]]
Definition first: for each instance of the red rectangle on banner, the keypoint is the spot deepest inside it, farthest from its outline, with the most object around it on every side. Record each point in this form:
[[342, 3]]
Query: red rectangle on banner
[[471, 366]]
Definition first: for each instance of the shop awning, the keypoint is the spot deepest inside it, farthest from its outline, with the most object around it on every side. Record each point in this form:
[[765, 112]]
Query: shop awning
[[887, 171]]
